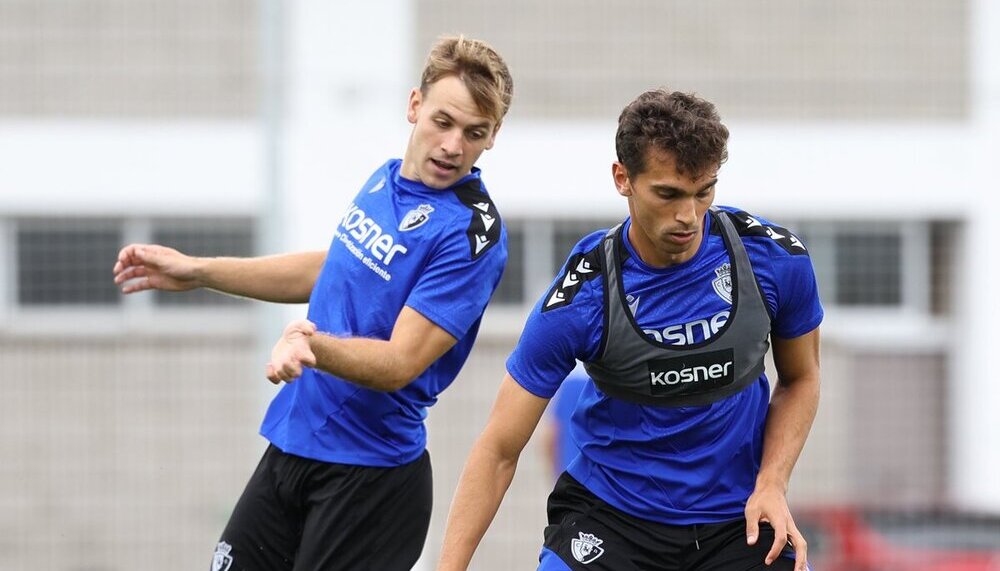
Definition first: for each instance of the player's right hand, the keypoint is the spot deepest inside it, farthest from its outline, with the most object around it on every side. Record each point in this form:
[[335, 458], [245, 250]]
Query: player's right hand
[[149, 266], [292, 352]]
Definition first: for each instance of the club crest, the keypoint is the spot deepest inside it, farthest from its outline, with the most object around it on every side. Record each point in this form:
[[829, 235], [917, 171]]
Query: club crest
[[416, 217], [222, 560], [587, 548], [723, 283]]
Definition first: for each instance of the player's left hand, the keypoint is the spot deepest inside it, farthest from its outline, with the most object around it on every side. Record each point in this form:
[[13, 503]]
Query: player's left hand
[[292, 352], [768, 504]]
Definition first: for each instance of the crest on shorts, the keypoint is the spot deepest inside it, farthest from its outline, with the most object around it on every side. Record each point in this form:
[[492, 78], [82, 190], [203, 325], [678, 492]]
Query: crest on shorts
[[723, 282], [416, 217], [587, 548], [222, 560]]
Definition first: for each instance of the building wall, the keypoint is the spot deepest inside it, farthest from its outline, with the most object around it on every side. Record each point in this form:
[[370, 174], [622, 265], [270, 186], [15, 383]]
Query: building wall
[[777, 61], [122, 449]]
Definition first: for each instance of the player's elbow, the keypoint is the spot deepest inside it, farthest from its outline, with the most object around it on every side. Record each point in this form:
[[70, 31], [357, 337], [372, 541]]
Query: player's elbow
[[401, 376], [503, 455]]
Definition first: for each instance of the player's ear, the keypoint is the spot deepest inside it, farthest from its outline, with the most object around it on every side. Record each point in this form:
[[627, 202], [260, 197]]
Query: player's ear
[[622, 183], [493, 137], [413, 107]]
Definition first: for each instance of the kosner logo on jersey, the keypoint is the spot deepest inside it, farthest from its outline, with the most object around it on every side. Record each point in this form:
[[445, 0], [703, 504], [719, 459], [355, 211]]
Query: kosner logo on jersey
[[369, 234], [689, 333], [690, 374]]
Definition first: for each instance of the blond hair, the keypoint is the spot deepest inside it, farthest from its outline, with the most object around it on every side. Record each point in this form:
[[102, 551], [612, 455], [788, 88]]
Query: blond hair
[[480, 68]]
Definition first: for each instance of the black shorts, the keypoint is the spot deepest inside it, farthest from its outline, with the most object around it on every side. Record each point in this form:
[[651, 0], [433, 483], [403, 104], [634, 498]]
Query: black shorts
[[305, 515], [586, 534]]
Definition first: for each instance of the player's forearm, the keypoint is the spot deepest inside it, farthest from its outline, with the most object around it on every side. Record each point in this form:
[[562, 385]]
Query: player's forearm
[[283, 278], [793, 408], [481, 489], [371, 363]]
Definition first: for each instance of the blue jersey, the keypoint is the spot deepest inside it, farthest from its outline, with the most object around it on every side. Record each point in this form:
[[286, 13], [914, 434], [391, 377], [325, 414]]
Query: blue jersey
[[560, 412], [674, 465], [400, 243]]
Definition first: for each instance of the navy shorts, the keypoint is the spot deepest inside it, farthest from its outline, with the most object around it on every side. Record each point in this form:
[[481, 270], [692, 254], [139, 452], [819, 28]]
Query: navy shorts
[[586, 534], [305, 515]]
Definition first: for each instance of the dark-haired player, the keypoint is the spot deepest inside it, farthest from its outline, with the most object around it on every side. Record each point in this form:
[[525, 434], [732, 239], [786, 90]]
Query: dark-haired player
[[685, 455]]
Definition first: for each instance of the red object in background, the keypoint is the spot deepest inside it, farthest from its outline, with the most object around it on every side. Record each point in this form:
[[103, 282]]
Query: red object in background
[[855, 539]]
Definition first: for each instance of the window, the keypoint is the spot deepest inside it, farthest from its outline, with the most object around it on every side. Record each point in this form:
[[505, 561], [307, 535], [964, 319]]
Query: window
[[67, 262], [511, 288], [569, 232], [208, 237], [60, 262], [944, 242], [537, 250], [887, 264], [869, 268]]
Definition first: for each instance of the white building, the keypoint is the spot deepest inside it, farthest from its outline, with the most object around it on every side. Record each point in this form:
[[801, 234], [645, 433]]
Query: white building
[[127, 425]]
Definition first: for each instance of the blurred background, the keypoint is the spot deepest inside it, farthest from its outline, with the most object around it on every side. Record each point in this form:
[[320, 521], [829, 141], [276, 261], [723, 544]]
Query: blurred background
[[128, 424]]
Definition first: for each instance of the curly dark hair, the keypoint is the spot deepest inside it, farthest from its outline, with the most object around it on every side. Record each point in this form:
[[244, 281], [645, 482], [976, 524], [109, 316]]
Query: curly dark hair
[[682, 124]]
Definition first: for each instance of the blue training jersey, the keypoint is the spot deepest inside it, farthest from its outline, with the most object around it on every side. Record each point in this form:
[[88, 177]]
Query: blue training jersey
[[560, 413], [674, 465], [400, 243]]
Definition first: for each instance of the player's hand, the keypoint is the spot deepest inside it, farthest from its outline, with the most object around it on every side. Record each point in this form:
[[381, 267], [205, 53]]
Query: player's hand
[[769, 505], [292, 352], [148, 266]]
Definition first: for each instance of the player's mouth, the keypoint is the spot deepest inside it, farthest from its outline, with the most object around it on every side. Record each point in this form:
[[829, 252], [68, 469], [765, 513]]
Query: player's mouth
[[444, 168], [681, 238]]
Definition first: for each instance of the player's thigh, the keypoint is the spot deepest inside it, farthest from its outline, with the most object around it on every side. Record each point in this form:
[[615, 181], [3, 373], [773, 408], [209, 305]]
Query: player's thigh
[[262, 533], [371, 518], [724, 548]]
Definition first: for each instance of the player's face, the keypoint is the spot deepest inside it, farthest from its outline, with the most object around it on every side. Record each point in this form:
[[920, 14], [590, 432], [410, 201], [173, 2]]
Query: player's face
[[449, 133], [667, 208]]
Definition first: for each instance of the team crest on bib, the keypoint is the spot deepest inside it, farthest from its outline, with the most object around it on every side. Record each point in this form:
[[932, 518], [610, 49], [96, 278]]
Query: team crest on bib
[[416, 217], [222, 560], [723, 282], [587, 548]]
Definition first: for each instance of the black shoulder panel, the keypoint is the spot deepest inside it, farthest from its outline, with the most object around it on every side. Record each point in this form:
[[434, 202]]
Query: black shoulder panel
[[748, 225], [580, 268], [484, 227]]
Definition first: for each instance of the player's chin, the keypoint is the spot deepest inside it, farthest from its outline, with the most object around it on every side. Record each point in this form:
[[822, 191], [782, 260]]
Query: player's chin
[[440, 183]]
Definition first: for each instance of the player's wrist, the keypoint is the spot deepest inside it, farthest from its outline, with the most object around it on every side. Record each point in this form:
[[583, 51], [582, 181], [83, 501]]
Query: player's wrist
[[203, 274], [771, 482]]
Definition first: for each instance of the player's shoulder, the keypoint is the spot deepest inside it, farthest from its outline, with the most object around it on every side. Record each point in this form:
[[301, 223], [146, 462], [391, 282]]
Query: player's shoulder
[[477, 219], [579, 273], [770, 237]]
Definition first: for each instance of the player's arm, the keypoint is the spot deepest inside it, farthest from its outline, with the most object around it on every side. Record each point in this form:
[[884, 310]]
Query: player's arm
[[284, 278], [793, 408], [384, 365], [488, 472], [551, 436]]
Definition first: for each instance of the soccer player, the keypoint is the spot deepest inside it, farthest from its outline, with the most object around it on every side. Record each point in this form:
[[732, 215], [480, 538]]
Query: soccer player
[[394, 308], [685, 456]]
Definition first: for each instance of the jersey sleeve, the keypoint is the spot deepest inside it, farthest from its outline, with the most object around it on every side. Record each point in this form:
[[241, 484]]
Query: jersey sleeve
[[788, 274], [563, 327], [799, 310], [455, 287]]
